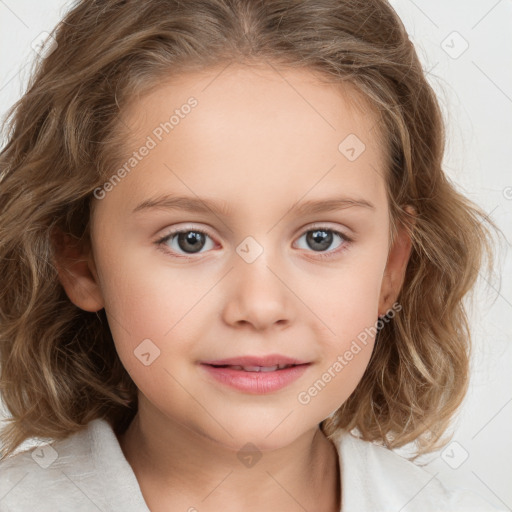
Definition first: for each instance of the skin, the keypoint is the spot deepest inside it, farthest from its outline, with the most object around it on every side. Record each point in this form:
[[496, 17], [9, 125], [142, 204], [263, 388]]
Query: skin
[[261, 141]]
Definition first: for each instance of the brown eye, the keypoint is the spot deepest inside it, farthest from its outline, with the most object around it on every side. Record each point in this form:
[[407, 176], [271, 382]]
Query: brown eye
[[321, 240], [189, 241]]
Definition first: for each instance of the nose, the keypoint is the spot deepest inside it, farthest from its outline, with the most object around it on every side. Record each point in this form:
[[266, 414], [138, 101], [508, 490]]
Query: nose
[[257, 296]]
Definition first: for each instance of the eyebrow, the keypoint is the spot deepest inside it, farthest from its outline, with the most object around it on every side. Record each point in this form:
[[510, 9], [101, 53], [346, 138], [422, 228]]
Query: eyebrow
[[205, 205]]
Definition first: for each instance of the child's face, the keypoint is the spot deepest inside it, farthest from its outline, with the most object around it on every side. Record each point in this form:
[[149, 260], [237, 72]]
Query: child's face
[[259, 143]]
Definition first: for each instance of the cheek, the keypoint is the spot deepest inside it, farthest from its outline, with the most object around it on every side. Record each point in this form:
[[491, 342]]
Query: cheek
[[146, 302], [348, 308], [347, 299], [345, 354], [161, 303]]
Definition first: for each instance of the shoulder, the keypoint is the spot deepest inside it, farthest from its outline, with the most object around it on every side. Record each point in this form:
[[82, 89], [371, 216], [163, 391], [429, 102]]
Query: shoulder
[[56, 476], [378, 479]]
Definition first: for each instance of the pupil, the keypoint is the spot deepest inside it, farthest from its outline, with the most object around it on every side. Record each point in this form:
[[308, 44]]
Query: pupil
[[191, 241], [321, 237]]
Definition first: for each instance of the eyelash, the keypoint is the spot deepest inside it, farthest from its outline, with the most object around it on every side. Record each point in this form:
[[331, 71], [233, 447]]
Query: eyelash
[[347, 241]]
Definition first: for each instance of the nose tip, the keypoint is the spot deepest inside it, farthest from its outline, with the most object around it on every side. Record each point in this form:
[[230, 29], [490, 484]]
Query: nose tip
[[256, 295]]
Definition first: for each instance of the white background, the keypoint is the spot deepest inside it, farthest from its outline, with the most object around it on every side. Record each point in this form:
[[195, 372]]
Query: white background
[[475, 90]]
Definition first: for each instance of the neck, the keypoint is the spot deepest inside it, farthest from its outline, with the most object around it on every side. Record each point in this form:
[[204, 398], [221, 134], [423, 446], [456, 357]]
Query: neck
[[179, 468]]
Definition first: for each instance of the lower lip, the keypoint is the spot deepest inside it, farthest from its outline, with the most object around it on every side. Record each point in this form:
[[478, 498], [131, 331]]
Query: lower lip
[[256, 382]]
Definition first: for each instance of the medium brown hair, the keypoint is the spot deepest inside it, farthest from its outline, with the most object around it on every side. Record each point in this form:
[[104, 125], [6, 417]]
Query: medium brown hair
[[59, 366]]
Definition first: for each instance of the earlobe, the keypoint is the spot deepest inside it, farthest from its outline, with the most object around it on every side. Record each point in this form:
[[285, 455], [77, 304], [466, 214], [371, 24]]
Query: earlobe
[[396, 266], [75, 266]]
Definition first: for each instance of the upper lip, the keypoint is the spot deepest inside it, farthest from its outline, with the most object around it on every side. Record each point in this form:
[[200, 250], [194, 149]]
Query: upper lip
[[264, 361]]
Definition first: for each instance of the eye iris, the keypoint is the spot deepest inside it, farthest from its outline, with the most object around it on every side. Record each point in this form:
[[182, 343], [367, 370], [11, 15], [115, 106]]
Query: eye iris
[[319, 236], [191, 241]]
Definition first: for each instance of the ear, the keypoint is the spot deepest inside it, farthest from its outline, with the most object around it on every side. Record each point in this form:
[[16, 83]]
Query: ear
[[77, 271], [396, 265]]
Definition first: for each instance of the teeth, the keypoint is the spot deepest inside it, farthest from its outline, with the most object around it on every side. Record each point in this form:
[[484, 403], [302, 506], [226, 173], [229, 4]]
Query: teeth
[[260, 368], [268, 368]]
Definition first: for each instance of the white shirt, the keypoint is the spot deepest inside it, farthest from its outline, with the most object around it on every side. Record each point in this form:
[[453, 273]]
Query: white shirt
[[87, 472]]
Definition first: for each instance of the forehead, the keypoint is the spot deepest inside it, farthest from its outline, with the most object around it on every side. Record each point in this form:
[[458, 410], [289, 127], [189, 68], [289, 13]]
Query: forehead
[[253, 130], [264, 89]]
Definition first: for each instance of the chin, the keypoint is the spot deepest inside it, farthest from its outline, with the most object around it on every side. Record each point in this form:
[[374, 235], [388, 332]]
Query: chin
[[265, 437]]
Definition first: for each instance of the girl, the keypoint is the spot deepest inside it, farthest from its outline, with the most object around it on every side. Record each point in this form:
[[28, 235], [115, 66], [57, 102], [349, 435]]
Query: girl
[[232, 266]]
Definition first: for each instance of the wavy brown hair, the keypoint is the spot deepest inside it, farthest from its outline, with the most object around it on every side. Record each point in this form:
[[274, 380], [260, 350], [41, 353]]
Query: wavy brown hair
[[59, 366]]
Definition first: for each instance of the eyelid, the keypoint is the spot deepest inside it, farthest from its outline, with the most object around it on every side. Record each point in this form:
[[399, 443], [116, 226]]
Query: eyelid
[[186, 226], [160, 241], [328, 226], [347, 239], [333, 253], [308, 227]]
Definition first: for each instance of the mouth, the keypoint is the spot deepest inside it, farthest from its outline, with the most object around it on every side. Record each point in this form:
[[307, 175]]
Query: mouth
[[255, 368], [270, 362], [256, 375]]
